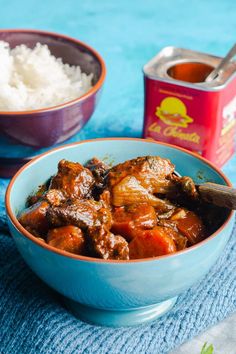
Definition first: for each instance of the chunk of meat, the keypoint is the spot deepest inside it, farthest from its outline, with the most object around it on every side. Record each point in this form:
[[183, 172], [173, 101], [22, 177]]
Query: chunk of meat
[[150, 171], [152, 243], [55, 197], [188, 187], [80, 213], [67, 238], [130, 191], [127, 219], [52, 196], [183, 191], [106, 245], [34, 220], [73, 179], [99, 170]]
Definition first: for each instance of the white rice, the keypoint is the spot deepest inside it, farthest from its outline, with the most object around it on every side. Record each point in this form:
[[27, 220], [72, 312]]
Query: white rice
[[33, 78]]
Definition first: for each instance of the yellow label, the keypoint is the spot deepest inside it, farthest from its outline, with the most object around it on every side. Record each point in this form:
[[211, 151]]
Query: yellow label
[[172, 111], [175, 132]]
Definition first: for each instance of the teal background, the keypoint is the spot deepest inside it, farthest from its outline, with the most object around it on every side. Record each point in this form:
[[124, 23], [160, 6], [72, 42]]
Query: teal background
[[127, 33]]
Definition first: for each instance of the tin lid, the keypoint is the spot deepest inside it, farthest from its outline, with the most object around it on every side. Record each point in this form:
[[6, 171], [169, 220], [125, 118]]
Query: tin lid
[[169, 58]]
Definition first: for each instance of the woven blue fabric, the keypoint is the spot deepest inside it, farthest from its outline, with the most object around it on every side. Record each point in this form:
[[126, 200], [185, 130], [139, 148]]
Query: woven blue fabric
[[127, 34]]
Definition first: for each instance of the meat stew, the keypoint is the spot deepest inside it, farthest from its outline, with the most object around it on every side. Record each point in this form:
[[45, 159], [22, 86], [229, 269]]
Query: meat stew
[[134, 210]]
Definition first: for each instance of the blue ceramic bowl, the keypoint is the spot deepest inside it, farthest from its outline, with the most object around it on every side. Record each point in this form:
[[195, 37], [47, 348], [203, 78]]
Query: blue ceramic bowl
[[114, 293]]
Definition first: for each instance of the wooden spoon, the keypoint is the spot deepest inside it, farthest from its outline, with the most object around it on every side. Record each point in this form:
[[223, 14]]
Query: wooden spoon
[[218, 194]]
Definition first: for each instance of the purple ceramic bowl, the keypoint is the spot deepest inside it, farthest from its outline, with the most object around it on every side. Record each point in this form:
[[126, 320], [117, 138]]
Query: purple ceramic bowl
[[48, 126]]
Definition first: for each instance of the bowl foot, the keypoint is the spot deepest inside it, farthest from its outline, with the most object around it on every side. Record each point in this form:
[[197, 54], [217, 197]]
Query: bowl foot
[[114, 318]]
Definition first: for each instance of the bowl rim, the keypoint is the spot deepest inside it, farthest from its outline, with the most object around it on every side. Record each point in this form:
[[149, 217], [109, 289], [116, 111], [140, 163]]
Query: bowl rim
[[33, 238], [87, 94]]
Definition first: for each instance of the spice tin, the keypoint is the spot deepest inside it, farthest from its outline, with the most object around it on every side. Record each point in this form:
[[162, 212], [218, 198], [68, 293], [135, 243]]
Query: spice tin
[[182, 109]]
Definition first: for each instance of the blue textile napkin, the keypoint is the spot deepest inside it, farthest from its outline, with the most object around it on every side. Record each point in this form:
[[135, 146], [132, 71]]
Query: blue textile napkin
[[33, 319]]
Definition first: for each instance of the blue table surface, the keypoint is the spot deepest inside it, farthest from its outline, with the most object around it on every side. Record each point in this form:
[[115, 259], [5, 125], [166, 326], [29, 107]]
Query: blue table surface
[[127, 34]]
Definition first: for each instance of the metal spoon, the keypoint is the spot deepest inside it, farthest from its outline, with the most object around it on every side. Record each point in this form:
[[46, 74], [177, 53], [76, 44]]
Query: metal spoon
[[213, 75]]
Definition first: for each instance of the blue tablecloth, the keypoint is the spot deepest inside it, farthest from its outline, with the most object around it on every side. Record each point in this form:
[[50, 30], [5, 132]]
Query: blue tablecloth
[[127, 34]]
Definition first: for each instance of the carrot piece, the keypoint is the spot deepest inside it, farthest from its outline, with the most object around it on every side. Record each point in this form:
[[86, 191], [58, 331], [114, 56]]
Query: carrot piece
[[126, 220], [151, 243], [68, 238], [191, 227]]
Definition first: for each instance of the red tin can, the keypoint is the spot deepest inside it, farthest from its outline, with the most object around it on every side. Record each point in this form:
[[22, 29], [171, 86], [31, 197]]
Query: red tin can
[[182, 109]]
